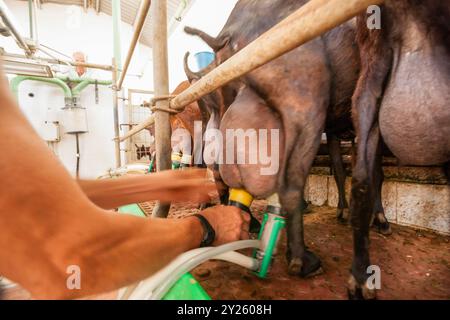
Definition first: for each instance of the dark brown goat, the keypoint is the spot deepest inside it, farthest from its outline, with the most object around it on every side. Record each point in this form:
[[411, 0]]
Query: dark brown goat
[[402, 98]]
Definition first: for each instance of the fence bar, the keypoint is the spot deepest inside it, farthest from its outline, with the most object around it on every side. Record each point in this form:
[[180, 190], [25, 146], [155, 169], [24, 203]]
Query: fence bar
[[161, 81], [138, 26]]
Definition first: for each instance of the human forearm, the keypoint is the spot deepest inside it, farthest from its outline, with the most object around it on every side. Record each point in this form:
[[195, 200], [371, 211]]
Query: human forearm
[[112, 193], [48, 224], [131, 249], [168, 186], [110, 250]]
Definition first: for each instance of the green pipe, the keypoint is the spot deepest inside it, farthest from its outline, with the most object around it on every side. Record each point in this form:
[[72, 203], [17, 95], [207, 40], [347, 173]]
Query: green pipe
[[15, 82], [78, 80], [116, 34], [83, 84], [60, 81], [181, 7]]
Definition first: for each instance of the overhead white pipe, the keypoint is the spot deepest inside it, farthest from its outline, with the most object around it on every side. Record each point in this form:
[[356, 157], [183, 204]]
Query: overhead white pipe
[[11, 24]]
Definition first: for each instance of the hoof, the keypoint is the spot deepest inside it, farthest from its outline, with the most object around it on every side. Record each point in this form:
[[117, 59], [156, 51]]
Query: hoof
[[305, 207], [381, 224], [295, 266], [309, 265], [343, 216], [359, 292]]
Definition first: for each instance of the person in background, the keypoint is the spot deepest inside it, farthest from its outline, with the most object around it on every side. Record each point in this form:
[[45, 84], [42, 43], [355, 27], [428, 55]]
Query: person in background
[[77, 72], [80, 71]]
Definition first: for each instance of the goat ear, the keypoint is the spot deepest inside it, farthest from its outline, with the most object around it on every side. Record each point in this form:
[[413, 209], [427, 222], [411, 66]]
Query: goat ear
[[136, 146]]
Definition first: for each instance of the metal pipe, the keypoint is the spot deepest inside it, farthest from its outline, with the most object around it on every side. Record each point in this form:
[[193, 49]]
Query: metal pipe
[[64, 62], [5, 14], [178, 14], [161, 81], [116, 115], [138, 27], [181, 7], [35, 22], [311, 20], [83, 64], [54, 50], [140, 91], [116, 35], [136, 129], [46, 52], [76, 91], [130, 110], [30, 17]]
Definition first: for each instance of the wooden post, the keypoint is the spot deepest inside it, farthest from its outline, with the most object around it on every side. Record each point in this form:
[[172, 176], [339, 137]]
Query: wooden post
[[161, 83]]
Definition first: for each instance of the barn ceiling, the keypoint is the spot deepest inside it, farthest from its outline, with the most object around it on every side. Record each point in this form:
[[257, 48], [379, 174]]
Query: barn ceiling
[[129, 10]]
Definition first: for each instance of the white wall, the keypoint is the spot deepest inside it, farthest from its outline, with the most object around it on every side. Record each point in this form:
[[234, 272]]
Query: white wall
[[69, 29], [206, 15]]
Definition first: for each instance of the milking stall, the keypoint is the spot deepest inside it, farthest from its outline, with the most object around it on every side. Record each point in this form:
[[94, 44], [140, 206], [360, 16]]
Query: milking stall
[[225, 150]]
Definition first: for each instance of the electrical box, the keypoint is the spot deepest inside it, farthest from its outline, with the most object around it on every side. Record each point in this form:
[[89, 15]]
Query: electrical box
[[74, 119], [50, 131]]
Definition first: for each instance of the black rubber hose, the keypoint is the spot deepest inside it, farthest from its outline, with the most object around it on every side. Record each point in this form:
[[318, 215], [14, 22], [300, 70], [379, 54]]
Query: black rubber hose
[[78, 155]]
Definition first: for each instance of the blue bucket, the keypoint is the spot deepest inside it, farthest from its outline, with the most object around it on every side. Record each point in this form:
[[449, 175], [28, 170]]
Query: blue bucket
[[204, 59]]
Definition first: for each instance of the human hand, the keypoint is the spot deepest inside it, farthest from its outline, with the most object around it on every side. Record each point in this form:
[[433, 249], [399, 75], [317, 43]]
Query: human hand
[[229, 223]]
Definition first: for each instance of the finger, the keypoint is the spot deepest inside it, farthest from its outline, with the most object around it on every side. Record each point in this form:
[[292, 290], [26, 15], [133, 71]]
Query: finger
[[246, 216], [245, 227], [244, 235]]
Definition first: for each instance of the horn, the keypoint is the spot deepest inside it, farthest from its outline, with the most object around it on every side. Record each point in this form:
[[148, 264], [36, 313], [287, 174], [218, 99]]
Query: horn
[[215, 43], [191, 75]]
